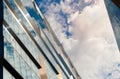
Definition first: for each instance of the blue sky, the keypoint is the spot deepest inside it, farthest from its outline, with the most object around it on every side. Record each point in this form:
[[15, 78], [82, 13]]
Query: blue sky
[[63, 16], [84, 29]]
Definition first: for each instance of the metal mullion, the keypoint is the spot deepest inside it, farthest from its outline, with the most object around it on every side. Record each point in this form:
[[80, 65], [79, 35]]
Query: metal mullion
[[31, 37], [54, 56], [10, 31], [68, 59], [29, 34], [20, 7], [45, 21], [54, 36], [27, 17], [59, 56], [52, 46], [50, 29], [37, 9]]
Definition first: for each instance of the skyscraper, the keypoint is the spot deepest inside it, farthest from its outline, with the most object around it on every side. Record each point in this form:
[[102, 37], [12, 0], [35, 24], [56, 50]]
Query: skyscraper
[[31, 49], [113, 8]]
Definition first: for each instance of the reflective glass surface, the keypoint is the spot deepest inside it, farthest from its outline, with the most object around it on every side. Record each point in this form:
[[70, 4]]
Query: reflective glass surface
[[23, 65], [114, 14], [7, 75], [14, 54], [20, 33], [23, 19]]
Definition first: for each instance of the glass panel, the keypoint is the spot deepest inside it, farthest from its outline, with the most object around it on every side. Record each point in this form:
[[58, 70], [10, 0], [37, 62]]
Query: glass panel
[[6, 74], [50, 73], [21, 34], [15, 55], [114, 15], [18, 62]]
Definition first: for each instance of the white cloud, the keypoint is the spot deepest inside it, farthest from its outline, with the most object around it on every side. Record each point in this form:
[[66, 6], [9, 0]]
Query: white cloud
[[57, 21], [97, 45], [92, 46]]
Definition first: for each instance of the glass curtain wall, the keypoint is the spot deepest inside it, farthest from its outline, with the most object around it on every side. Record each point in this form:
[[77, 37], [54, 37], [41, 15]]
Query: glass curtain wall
[[26, 37], [114, 15]]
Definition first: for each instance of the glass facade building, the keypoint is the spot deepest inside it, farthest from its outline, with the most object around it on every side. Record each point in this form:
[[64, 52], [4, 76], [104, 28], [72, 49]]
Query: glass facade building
[[31, 49], [113, 8]]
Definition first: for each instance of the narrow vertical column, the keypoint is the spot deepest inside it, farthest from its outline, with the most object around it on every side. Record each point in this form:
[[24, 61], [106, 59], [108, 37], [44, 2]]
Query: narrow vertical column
[[1, 39], [42, 70]]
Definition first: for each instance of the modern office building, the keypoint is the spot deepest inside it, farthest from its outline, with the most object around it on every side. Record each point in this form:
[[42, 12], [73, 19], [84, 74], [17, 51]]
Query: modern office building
[[113, 8], [31, 49]]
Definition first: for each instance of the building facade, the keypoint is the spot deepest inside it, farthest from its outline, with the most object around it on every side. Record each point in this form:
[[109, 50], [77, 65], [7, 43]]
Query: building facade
[[113, 8], [31, 49]]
